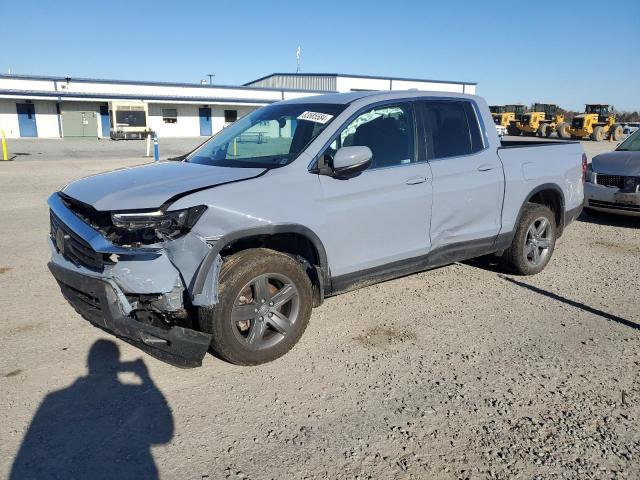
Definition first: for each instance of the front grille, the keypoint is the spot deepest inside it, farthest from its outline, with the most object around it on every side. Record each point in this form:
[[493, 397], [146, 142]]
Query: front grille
[[74, 248], [616, 181]]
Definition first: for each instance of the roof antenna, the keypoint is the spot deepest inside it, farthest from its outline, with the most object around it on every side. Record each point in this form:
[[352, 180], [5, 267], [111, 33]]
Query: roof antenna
[[298, 52]]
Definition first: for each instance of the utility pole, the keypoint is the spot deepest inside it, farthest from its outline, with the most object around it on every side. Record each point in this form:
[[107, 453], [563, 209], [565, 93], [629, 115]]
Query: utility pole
[[211, 75]]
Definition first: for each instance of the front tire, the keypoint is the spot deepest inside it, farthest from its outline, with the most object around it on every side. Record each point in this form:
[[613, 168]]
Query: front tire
[[533, 243], [563, 130], [615, 132], [265, 300], [598, 134]]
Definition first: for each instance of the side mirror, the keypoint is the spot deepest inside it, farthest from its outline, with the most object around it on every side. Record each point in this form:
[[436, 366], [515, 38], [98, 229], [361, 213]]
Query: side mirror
[[351, 161]]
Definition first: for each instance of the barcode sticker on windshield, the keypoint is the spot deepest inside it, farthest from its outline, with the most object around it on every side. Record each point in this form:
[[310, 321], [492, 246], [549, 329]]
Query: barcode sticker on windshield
[[316, 117]]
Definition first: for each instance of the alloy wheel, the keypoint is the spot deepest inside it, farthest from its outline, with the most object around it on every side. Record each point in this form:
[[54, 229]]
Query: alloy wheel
[[265, 310], [537, 242]]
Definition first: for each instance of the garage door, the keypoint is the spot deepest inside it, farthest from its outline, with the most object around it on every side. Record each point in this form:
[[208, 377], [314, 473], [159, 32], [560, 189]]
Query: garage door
[[80, 123]]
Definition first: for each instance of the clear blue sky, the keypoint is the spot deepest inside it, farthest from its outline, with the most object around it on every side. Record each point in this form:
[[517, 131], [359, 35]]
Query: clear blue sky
[[567, 52]]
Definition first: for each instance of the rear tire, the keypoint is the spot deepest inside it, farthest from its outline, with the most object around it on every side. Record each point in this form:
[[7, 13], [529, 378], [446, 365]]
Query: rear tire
[[543, 130], [615, 132], [533, 243], [563, 130], [598, 134], [247, 330], [513, 130]]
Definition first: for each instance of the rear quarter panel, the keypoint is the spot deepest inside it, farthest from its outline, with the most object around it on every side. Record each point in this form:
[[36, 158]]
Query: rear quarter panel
[[527, 168]]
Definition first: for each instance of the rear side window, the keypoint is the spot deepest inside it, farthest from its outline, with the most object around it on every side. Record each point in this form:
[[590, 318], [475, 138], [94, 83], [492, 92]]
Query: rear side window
[[474, 127], [452, 129]]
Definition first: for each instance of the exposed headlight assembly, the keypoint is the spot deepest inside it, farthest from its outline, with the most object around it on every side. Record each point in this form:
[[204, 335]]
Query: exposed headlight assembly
[[160, 224]]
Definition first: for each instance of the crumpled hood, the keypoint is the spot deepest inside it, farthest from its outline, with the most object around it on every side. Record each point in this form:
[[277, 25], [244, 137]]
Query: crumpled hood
[[151, 185], [617, 163]]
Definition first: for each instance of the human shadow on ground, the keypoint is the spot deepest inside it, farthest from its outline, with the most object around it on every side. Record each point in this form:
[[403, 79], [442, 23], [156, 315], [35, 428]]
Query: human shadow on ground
[[98, 427]]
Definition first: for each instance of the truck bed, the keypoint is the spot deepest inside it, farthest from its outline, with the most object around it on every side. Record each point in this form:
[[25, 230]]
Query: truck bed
[[528, 168]]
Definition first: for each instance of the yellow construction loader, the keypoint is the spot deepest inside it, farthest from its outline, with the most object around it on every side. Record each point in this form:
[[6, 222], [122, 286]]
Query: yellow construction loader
[[500, 115], [518, 114], [597, 122], [543, 120]]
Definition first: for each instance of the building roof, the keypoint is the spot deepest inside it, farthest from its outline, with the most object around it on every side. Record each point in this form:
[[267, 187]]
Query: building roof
[[375, 77], [141, 82], [123, 96]]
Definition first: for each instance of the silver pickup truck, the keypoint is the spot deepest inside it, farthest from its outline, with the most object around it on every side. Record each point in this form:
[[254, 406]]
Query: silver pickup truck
[[231, 246]]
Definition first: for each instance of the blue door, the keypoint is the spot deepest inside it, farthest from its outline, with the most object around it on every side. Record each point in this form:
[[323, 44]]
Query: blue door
[[104, 120], [205, 122], [27, 119]]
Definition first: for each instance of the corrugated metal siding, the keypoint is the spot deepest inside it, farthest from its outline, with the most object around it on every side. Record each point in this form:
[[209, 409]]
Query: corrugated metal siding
[[303, 82]]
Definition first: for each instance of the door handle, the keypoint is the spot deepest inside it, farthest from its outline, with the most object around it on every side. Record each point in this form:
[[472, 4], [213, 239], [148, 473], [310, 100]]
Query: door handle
[[485, 167], [416, 180]]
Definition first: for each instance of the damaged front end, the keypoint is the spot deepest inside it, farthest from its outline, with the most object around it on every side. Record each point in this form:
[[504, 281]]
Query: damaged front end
[[132, 275]]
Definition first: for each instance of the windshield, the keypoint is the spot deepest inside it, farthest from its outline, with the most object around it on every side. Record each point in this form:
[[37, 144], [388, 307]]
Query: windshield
[[600, 110], [269, 137], [632, 143]]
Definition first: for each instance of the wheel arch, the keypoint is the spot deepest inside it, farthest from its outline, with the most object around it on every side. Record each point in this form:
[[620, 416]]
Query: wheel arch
[[550, 195], [294, 239]]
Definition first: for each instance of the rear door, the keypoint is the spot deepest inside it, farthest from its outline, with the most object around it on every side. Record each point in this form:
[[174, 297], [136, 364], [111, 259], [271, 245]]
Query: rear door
[[468, 179], [381, 215]]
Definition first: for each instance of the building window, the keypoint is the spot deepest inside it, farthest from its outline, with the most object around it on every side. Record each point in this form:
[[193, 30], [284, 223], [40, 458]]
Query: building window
[[170, 115], [230, 116]]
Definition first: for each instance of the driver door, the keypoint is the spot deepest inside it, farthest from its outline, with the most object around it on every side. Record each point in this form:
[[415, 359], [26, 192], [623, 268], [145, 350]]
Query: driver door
[[382, 215]]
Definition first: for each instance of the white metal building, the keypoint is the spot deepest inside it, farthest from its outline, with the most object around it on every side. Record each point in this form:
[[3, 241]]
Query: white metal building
[[55, 107], [338, 82]]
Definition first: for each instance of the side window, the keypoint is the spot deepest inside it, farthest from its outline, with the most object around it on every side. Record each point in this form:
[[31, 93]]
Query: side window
[[452, 129], [474, 128], [387, 130]]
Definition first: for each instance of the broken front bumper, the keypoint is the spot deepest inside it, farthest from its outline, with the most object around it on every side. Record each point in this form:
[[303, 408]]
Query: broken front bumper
[[133, 294], [100, 302]]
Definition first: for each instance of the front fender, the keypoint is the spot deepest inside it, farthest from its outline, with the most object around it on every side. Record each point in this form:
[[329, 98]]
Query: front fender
[[205, 285]]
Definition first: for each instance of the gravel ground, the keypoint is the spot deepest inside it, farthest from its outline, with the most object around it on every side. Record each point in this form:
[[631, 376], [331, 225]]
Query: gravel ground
[[460, 372]]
